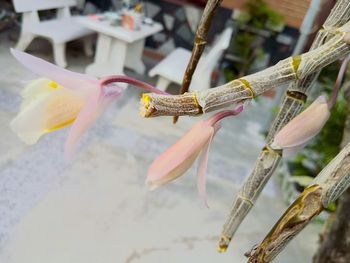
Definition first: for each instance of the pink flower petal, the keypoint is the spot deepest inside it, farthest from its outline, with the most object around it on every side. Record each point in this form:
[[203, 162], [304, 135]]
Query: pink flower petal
[[94, 107], [292, 151], [217, 127], [65, 78], [305, 126], [202, 167], [180, 156], [201, 171], [135, 82], [223, 114]]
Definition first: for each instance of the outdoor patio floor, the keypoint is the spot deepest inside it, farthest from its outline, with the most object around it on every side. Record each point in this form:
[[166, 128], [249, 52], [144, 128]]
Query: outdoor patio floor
[[98, 209]]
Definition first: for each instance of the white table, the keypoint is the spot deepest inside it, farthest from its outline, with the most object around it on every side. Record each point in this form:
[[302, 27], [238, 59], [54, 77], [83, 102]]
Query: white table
[[117, 47]]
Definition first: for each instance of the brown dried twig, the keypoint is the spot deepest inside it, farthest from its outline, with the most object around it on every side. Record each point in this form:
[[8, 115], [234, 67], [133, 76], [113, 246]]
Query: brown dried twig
[[199, 44]]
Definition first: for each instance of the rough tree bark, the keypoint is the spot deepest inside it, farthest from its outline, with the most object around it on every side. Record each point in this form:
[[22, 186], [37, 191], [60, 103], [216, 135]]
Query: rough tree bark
[[335, 247]]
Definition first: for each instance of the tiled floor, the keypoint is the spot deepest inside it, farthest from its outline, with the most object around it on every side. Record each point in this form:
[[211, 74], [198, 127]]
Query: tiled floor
[[97, 209]]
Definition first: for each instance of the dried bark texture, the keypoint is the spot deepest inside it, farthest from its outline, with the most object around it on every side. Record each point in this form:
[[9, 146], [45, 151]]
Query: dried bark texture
[[298, 215], [330, 183], [335, 177], [199, 44], [285, 71], [268, 159], [335, 247]]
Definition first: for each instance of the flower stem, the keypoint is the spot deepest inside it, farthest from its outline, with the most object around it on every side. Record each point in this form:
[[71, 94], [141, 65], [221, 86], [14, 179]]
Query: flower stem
[[338, 82], [135, 82], [223, 114]]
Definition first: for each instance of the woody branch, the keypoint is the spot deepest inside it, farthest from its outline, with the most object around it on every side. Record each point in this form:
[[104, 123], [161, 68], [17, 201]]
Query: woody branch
[[248, 87]]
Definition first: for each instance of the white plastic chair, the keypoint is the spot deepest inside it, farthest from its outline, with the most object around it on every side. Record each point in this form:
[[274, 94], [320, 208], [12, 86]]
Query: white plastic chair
[[172, 68], [60, 30]]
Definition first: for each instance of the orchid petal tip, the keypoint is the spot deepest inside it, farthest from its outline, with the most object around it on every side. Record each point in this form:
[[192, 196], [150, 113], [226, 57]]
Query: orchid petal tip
[[150, 185]]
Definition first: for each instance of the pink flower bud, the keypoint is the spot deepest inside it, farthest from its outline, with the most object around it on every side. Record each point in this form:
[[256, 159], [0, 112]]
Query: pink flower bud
[[177, 159], [300, 130]]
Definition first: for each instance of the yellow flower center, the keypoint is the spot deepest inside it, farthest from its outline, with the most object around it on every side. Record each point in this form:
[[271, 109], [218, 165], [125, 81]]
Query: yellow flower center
[[53, 84], [62, 110], [146, 100], [59, 126]]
